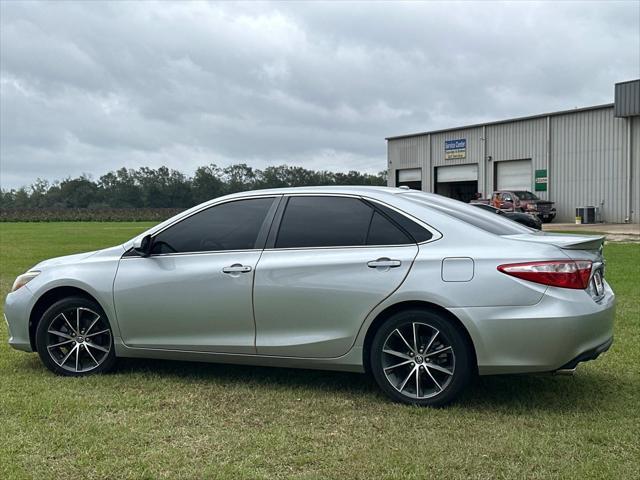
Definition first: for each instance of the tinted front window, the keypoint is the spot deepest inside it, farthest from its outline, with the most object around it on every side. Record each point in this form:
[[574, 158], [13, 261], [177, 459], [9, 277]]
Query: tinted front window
[[230, 226], [324, 222]]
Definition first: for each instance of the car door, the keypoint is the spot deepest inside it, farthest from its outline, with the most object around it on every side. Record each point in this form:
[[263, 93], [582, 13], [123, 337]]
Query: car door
[[194, 292], [507, 202], [328, 263]]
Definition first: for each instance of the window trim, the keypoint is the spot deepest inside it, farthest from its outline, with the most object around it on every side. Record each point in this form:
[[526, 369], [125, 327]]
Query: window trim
[[260, 239], [435, 234], [384, 215], [277, 221], [274, 217]]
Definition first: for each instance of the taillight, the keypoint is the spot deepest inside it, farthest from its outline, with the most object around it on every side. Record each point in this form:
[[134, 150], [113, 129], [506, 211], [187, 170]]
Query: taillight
[[557, 273]]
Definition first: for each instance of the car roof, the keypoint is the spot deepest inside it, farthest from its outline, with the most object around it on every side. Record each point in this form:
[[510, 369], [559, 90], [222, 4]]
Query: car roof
[[344, 189], [374, 192]]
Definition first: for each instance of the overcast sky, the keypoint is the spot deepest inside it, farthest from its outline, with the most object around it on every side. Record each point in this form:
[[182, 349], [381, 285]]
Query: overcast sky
[[87, 87]]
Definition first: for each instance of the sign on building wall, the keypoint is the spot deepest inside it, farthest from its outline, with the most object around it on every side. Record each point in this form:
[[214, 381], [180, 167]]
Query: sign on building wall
[[454, 149], [541, 180]]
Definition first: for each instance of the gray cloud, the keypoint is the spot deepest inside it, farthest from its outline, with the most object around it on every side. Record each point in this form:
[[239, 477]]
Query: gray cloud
[[86, 87]]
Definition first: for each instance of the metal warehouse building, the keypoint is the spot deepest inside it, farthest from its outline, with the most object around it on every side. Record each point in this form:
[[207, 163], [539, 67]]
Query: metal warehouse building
[[581, 157]]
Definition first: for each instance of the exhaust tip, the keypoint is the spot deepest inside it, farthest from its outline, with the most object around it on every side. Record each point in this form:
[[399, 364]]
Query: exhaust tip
[[565, 371]]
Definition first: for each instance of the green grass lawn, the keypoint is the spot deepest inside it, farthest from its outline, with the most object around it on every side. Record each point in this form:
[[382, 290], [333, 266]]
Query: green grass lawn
[[160, 419]]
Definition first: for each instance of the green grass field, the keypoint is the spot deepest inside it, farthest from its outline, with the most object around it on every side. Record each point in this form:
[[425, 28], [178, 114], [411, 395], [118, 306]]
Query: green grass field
[[156, 419]]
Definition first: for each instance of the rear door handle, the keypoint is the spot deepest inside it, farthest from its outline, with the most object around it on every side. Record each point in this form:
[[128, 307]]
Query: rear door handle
[[236, 268], [384, 263]]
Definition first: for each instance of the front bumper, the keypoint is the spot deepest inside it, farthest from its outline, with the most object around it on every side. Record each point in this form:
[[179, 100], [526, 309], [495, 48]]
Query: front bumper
[[565, 326], [542, 215], [16, 314]]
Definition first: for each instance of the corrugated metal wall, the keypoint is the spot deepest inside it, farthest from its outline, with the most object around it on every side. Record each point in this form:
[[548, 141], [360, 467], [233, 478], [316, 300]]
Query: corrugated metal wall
[[411, 152], [627, 98], [473, 153], [587, 161], [521, 140]]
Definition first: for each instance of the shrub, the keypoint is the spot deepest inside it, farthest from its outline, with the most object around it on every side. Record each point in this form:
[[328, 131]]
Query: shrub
[[86, 214]]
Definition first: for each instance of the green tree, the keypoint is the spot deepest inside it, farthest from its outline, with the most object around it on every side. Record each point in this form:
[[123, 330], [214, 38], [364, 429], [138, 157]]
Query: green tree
[[79, 192], [239, 178], [163, 187], [120, 189], [207, 183]]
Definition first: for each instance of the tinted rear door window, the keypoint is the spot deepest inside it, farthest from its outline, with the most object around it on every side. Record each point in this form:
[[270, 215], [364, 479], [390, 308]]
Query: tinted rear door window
[[229, 226], [383, 232], [324, 222], [417, 232]]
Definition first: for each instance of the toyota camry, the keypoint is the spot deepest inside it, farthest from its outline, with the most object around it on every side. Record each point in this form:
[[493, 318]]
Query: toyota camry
[[420, 291]]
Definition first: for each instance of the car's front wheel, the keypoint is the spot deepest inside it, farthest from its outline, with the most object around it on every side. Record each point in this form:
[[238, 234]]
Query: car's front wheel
[[420, 357], [74, 338]]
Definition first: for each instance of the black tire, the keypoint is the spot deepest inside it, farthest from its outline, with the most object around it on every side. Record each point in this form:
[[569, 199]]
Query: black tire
[[95, 351], [435, 388]]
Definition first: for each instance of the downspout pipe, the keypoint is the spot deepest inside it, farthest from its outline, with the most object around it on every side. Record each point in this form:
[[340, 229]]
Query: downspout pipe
[[629, 173], [483, 188], [548, 158]]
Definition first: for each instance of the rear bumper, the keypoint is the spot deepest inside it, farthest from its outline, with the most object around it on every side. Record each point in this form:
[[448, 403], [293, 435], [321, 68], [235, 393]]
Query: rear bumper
[[565, 327], [590, 354]]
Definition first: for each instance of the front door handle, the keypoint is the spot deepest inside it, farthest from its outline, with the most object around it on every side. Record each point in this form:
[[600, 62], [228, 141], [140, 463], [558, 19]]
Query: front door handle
[[236, 268], [384, 263]]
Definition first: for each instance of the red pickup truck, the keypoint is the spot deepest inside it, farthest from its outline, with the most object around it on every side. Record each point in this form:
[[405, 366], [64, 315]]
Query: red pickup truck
[[522, 201]]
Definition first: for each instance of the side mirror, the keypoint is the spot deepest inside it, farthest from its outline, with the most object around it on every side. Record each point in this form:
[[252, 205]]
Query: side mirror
[[143, 245]]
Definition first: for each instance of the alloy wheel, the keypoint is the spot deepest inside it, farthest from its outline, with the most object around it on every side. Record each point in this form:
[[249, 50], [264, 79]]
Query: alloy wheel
[[418, 360], [78, 340]]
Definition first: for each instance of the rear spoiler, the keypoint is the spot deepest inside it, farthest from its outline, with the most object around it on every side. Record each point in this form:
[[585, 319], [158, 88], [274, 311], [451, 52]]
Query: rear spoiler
[[562, 240]]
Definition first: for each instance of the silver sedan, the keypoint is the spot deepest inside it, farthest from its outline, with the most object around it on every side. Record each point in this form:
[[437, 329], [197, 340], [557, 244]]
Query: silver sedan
[[421, 291]]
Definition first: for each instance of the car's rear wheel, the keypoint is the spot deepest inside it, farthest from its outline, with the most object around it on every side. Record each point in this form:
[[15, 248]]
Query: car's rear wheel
[[74, 338], [420, 357]]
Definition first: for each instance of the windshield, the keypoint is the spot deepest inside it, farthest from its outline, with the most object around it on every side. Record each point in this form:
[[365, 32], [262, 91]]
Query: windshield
[[524, 195], [478, 217]]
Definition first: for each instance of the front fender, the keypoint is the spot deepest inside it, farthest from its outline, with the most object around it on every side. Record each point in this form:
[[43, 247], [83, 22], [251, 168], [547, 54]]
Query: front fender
[[94, 275]]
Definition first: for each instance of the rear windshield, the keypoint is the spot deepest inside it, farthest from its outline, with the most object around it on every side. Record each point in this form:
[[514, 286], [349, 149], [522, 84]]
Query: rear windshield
[[486, 207], [478, 217]]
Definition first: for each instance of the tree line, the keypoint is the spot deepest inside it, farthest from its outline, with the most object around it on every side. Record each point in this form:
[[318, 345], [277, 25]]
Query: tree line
[[167, 188]]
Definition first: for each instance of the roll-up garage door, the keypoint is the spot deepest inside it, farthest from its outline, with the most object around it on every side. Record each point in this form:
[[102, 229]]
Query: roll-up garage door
[[410, 175], [457, 173], [514, 175]]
